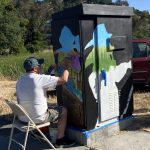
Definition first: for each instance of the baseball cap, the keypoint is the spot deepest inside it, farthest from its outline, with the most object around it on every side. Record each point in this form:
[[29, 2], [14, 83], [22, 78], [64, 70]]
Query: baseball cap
[[31, 62]]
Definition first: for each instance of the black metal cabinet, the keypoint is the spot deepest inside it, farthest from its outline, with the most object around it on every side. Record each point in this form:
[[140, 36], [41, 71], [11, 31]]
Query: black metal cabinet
[[93, 42]]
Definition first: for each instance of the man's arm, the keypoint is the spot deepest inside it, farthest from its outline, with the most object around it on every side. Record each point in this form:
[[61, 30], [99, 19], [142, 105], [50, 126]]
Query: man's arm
[[64, 78]]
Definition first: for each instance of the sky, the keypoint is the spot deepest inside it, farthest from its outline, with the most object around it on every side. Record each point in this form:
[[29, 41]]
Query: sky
[[139, 4]]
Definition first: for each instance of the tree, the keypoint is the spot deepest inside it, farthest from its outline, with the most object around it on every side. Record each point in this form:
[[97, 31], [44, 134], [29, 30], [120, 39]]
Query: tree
[[62, 4], [37, 13], [122, 3], [141, 24], [107, 2], [4, 2], [71, 3], [12, 30]]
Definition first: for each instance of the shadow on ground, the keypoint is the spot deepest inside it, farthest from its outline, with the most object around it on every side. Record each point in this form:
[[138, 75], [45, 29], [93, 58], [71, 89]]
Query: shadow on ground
[[6, 119], [140, 122], [32, 143], [141, 88]]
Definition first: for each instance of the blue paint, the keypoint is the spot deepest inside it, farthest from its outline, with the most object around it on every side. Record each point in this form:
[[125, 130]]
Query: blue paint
[[87, 133], [60, 71], [103, 75], [68, 41], [71, 87], [70, 84], [103, 35]]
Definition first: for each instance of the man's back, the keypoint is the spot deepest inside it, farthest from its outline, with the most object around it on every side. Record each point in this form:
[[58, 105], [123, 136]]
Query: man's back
[[31, 93]]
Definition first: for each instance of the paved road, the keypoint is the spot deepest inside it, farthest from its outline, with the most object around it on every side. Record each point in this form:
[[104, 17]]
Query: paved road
[[5, 128], [126, 140]]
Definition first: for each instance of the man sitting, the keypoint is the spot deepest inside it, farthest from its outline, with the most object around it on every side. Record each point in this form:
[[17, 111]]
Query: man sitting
[[31, 94]]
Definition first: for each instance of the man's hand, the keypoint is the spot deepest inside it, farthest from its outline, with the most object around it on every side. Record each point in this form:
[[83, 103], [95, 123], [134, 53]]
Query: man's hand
[[64, 78]]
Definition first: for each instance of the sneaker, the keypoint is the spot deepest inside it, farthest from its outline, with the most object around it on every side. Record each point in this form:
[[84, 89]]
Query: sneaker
[[64, 143]]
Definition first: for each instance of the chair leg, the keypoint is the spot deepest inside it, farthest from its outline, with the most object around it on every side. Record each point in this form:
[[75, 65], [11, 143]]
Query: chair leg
[[26, 137], [46, 138], [11, 134], [10, 139]]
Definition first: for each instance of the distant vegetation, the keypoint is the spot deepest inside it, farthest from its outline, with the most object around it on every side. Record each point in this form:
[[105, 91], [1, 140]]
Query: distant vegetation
[[25, 24], [141, 24], [12, 67], [25, 29]]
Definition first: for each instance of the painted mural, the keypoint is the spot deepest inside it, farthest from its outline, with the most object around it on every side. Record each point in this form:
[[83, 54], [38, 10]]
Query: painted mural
[[69, 58], [108, 72], [92, 93]]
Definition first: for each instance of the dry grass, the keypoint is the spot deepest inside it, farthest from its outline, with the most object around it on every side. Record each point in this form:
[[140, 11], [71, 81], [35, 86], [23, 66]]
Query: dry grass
[[7, 91], [141, 105], [142, 102], [141, 110]]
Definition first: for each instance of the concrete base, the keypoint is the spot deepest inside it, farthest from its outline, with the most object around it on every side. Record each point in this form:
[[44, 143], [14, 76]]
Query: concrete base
[[90, 138]]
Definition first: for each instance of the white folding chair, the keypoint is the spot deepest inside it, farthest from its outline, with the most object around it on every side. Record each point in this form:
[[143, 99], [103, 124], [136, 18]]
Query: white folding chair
[[18, 110]]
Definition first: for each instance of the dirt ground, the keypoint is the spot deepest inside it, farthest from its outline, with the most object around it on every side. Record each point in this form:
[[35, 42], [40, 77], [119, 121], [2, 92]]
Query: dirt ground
[[141, 112], [141, 104]]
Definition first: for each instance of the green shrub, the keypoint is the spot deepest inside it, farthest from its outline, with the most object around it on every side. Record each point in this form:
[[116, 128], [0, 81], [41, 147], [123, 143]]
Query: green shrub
[[11, 35], [11, 66], [35, 46]]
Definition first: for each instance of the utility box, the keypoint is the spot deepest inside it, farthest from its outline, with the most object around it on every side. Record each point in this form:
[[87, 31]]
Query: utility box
[[93, 42]]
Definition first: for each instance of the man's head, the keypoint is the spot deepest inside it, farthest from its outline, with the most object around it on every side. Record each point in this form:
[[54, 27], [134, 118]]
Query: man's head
[[33, 64]]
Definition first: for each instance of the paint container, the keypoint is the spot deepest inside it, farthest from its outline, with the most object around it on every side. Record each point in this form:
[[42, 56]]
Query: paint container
[[53, 134]]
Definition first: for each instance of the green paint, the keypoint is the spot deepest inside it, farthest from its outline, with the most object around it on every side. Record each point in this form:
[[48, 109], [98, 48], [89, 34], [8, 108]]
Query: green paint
[[106, 59]]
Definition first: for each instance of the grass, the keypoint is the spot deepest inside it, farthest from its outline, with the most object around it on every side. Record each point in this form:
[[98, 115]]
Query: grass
[[11, 67]]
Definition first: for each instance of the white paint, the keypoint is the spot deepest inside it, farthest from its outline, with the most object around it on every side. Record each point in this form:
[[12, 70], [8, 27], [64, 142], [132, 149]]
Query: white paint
[[109, 95], [93, 84], [115, 74]]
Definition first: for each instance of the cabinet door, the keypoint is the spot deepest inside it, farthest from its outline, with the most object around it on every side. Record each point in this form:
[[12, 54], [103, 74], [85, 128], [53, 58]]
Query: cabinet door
[[107, 66], [114, 53], [90, 81], [67, 54]]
